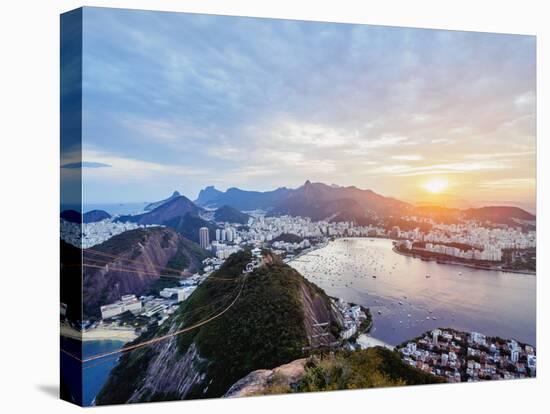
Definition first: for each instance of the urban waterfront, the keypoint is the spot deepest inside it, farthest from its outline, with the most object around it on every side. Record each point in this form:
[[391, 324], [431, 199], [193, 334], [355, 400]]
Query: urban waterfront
[[408, 296]]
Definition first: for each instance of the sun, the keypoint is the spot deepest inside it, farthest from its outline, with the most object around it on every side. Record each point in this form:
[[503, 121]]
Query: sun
[[436, 185]]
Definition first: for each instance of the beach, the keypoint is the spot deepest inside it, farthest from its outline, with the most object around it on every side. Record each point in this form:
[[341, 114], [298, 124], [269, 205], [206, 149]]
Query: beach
[[100, 333], [366, 341]]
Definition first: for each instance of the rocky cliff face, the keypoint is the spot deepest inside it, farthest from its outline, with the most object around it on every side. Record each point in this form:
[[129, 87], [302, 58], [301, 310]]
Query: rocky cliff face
[[271, 323], [170, 374], [131, 262]]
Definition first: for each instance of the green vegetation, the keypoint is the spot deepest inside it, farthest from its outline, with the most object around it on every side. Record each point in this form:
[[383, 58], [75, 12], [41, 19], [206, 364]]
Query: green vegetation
[[288, 238], [264, 329], [161, 283], [187, 250], [123, 242], [230, 215], [520, 259], [188, 226], [369, 368]]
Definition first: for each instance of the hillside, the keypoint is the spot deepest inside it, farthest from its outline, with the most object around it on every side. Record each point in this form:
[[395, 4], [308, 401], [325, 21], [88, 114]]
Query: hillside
[[370, 368], [93, 216], [176, 207], [229, 214], [499, 214], [288, 238], [156, 204], [267, 326], [188, 226], [209, 196], [512, 216], [319, 201], [131, 262]]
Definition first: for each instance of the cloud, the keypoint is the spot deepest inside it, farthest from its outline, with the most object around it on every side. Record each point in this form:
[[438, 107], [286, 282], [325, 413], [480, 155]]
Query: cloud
[[525, 101], [509, 183], [124, 170], [405, 157], [435, 169], [265, 102]]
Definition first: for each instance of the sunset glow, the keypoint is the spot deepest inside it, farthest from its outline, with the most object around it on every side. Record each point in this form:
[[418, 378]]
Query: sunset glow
[[436, 185], [414, 132]]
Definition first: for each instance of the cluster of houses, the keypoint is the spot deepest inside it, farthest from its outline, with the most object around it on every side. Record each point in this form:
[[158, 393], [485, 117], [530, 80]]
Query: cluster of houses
[[353, 318], [460, 356]]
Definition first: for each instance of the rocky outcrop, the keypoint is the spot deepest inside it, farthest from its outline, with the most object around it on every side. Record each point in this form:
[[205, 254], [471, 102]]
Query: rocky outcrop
[[258, 382], [318, 311], [169, 373]]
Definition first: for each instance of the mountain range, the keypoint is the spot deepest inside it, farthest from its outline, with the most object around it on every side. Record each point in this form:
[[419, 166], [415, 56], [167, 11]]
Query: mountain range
[[320, 201], [317, 201], [245, 200]]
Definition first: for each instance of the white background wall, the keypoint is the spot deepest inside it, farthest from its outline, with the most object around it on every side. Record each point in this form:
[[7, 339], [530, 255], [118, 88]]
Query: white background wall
[[29, 196]]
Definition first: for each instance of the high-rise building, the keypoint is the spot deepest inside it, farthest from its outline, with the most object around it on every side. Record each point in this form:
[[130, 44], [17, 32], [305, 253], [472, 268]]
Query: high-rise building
[[229, 234], [204, 238], [435, 336], [218, 234]]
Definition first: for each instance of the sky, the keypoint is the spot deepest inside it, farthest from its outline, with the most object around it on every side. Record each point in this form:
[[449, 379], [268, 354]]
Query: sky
[[175, 101]]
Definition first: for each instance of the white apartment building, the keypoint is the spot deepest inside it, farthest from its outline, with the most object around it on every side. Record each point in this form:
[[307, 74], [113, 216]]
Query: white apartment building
[[127, 303]]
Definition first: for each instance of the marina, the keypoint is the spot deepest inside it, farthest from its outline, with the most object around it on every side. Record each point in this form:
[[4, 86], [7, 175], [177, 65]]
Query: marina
[[408, 296]]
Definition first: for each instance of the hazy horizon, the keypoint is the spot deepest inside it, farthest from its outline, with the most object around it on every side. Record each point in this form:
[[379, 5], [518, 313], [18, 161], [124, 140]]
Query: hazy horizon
[[175, 101]]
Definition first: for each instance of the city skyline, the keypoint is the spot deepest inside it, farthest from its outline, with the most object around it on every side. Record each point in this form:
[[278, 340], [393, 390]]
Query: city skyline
[[420, 115]]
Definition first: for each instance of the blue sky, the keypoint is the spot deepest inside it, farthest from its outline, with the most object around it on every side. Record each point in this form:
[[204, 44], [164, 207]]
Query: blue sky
[[175, 101]]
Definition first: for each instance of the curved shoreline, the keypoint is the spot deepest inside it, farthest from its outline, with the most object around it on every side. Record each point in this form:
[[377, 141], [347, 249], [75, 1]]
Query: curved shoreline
[[98, 334], [457, 263]]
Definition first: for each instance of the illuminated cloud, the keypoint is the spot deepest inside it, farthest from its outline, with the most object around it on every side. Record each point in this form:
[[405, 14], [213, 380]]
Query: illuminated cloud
[[182, 101]]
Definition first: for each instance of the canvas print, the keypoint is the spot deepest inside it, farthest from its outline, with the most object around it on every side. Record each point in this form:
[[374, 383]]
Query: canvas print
[[256, 206]]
